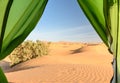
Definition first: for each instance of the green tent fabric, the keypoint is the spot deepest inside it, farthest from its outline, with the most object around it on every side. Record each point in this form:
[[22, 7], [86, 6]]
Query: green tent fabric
[[104, 15], [17, 19]]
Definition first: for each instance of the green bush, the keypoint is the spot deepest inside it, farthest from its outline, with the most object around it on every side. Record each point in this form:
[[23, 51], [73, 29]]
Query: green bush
[[28, 50]]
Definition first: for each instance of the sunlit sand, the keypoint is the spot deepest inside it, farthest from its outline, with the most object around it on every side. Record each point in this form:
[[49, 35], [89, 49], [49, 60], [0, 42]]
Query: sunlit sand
[[66, 63]]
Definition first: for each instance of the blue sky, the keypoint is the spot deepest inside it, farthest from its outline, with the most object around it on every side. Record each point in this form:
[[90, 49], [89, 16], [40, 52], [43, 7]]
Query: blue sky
[[63, 20]]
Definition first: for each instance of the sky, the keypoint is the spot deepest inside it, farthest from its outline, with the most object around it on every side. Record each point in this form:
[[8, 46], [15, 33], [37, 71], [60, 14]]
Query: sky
[[63, 20]]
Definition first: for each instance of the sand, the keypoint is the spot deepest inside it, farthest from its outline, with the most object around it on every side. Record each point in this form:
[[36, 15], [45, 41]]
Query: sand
[[66, 63]]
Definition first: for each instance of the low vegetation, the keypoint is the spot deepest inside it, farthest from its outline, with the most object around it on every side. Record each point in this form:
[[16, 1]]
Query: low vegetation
[[28, 50]]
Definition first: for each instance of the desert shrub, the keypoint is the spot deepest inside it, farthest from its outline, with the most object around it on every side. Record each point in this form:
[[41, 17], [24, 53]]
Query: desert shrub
[[28, 50]]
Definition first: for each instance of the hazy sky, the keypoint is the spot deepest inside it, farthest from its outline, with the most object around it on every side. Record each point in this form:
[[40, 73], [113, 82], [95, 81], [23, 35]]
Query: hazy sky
[[63, 20]]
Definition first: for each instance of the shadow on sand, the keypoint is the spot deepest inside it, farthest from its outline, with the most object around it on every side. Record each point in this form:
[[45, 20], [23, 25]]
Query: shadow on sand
[[20, 69], [4, 65], [79, 50]]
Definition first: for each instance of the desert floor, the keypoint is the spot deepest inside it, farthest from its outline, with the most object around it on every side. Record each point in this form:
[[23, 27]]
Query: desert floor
[[66, 63]]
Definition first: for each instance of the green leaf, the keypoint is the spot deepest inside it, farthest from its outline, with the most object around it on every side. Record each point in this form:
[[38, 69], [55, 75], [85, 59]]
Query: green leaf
[[22, 17], [3, 5], [112, 15], [3, 79], [93, 9]]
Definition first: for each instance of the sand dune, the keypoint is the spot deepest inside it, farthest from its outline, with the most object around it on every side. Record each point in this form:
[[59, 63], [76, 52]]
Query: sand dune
[[66, 63]]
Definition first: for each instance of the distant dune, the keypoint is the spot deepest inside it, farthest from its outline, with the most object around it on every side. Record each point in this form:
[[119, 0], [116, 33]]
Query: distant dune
[[66, 63]]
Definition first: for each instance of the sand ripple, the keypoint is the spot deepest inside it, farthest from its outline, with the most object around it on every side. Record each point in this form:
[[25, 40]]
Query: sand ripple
[[60, 73]]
